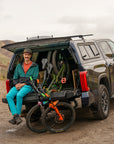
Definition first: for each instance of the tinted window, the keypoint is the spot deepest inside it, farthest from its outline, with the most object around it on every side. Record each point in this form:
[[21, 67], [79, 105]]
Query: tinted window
[[111, 45], [83, 52], [94, 49], [19, 58], [106, 49], [34, 56], [88, 50]]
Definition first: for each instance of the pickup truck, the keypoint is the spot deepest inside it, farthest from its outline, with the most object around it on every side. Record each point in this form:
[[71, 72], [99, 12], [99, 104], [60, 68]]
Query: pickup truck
[[88, 74]]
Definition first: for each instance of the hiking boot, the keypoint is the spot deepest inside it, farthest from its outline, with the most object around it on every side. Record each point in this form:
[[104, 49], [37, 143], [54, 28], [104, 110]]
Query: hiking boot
[[24, 113], [12, 121], [18, 119]]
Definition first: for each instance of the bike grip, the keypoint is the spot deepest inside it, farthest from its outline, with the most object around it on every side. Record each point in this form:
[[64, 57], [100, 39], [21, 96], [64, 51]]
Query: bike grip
[[46, 95], [43, 95], [31, 78]]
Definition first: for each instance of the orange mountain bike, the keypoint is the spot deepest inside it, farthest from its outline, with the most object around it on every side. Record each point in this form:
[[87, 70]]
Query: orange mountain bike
[[49, 114]]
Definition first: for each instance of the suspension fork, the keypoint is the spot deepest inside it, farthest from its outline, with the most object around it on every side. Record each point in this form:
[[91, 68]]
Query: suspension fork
[[53, 106]]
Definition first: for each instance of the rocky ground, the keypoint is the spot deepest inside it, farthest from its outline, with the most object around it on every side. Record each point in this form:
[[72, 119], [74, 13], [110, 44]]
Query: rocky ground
[[85, 130]]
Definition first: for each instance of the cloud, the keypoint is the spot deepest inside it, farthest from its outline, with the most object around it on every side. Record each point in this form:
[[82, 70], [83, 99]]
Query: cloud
[[1, 7], [4, 17], [55, 17], [100, 25]]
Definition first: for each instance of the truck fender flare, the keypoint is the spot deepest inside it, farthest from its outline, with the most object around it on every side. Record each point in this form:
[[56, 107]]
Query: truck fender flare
[[107, 82]]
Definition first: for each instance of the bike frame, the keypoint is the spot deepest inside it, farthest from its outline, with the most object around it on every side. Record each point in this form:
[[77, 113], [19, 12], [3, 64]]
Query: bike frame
[[52, 104], [56, 78]]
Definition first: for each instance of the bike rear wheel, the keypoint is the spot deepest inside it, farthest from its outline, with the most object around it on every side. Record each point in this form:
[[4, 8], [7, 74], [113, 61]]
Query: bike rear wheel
[[58, 58], [34, 119], [51, 119]]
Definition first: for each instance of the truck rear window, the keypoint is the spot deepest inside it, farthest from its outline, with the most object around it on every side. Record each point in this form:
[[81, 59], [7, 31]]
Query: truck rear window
[[88, 51]]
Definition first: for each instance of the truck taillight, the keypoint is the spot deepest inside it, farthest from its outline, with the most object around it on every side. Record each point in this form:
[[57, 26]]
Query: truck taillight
[[7, 86], [83, 81]]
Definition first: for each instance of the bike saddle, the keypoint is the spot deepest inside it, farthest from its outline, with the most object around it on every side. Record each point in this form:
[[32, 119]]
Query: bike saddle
[[44, 63]]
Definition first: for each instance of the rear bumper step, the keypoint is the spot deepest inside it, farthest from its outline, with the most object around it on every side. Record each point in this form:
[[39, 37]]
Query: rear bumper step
[[79, 99], [61, 95]]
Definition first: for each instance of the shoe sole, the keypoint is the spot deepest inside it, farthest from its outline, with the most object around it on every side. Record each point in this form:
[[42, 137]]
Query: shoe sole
[[18, 122], [12, 123]]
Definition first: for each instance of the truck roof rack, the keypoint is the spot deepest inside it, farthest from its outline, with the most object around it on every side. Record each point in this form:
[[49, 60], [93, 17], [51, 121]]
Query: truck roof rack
[[79, 36], [49, 37], [39, 37]]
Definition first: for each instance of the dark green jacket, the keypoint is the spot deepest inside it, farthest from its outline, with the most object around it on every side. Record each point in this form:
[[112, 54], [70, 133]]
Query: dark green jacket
[[21, 77]]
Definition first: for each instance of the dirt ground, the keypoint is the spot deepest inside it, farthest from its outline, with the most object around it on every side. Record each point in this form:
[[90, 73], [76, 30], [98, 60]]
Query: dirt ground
[[85, 130]]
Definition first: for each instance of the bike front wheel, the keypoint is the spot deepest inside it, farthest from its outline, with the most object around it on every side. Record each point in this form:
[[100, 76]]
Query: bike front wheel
[[51, 119], [34, 119]]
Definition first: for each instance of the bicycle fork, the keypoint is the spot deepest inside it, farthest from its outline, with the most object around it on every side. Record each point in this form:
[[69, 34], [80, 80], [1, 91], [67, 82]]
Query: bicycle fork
[[53, 106]]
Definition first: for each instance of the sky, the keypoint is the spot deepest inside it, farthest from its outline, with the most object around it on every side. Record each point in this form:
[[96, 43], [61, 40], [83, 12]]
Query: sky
[[28, 18]]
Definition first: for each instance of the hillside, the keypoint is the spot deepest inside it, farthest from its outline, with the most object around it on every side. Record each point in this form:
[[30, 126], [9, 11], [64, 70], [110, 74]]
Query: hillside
[[5, 57], [3, 51]]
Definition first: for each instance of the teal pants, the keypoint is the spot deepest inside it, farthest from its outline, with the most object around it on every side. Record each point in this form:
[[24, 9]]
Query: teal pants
[[19, 94]]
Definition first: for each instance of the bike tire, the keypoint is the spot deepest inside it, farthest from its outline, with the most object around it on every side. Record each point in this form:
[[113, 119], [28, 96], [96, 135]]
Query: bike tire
[[49, 56], [56, 61], [34, 120], [51, 122]]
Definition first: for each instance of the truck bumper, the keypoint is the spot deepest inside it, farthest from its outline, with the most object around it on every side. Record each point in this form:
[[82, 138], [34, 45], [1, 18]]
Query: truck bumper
[[85, 99]]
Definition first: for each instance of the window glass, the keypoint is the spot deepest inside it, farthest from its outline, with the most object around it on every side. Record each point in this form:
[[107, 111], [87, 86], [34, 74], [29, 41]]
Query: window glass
[[34, 56], [83, 52], [94, 49], [106, 49], [89, 51], [111, 45], [19, 58]]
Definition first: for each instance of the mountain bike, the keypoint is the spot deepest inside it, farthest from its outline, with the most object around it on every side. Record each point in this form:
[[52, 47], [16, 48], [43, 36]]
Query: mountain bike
[[50, 114]]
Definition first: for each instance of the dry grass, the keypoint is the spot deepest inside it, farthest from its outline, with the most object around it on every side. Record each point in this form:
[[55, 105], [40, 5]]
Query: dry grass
[[4, 60], [3, 73]]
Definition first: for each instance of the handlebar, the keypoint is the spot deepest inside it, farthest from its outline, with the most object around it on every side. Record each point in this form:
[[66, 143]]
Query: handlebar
[[44, 95]]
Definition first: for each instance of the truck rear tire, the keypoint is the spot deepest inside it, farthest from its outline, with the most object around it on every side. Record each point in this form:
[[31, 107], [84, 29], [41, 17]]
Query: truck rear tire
[[101, 108]]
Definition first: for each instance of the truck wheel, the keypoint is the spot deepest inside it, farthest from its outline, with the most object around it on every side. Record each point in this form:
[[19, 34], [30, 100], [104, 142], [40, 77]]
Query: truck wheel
[[101, 109]]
